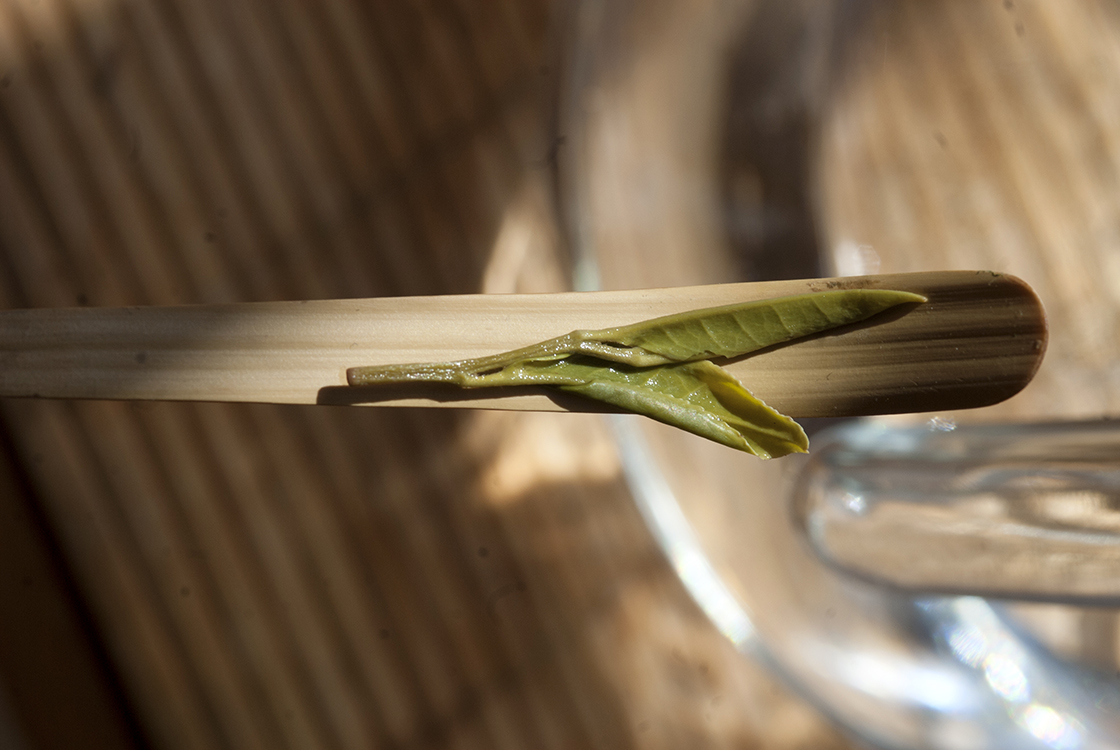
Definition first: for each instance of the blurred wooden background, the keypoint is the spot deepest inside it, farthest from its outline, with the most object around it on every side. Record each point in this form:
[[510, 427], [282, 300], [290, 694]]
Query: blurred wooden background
[[213, 576], [206, 576]]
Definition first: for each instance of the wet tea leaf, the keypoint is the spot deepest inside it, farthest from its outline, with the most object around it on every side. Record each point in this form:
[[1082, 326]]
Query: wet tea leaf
[[734, 330], [662, 368]]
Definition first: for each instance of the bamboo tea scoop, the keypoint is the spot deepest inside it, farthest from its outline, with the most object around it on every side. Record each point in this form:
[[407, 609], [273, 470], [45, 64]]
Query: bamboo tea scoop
[[978, 340]]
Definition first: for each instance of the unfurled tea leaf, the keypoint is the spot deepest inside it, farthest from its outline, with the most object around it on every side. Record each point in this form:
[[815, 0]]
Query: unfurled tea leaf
[[734, 330], [660, 367], [703, 399], [699, 397]]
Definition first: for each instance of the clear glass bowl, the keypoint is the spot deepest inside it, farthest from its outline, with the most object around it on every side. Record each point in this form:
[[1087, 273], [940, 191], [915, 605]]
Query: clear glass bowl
[[743, 140]]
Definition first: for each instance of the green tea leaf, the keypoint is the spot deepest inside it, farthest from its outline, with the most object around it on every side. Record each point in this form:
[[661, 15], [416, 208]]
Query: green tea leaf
[[703, 399], [727, 331], [661, 368], [734, 330], [699, 397]]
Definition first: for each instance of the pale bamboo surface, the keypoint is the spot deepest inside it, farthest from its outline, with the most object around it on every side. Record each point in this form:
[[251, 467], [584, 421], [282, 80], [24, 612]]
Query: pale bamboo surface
[[977, 340]]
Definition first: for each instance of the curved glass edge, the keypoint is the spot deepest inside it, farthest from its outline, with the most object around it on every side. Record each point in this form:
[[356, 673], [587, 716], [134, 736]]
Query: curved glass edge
[[663, 515], [985, 711]]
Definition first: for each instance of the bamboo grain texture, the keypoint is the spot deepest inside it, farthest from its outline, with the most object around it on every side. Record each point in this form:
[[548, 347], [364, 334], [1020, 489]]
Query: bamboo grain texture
[[977, 341]]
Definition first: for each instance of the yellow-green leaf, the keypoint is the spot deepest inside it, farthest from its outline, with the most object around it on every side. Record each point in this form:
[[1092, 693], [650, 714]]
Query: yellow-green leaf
[[735, 330], [662, 368]]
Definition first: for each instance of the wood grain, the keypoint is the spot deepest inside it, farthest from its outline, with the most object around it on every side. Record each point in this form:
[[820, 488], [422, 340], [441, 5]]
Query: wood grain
[[977, 341]]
